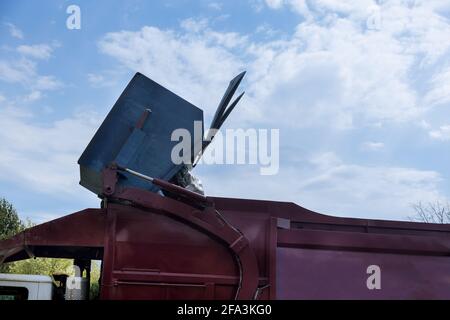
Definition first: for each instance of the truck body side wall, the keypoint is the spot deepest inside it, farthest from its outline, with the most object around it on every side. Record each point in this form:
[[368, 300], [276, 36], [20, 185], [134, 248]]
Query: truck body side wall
[[300, 255], [155, 247]]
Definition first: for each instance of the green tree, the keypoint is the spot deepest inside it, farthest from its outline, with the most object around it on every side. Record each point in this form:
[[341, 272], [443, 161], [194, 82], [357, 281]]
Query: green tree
[[10, 225], [95, 276], [44, 266]]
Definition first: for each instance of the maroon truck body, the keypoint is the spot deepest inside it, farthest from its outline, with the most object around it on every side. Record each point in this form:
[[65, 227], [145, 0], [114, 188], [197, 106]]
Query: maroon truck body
[[155, 247]]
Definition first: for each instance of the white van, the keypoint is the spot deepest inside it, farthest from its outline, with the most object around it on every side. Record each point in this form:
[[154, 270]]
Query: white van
[[25, 287]]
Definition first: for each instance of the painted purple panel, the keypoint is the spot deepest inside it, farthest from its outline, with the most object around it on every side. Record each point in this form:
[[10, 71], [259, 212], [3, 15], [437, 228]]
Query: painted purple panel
[[327, 274]]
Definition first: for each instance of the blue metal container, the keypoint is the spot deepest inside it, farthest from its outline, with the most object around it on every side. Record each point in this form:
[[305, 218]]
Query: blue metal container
[[136, 134]]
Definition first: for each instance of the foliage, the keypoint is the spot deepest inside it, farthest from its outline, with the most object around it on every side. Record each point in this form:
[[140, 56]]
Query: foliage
[[44, 266], [95, 276], [10, 224]]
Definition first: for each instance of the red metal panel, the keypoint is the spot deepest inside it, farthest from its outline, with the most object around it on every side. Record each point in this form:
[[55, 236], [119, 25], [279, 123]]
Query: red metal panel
[[151, 255], [271, 260], [70, 235], [355, 241], [156, 247]]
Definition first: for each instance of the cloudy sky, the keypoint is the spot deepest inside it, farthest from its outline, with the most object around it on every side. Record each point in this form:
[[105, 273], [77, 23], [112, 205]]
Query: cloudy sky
[[360, 91]]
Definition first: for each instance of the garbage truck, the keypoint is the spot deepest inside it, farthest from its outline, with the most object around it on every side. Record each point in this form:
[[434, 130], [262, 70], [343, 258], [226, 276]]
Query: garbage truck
[[158, 236]]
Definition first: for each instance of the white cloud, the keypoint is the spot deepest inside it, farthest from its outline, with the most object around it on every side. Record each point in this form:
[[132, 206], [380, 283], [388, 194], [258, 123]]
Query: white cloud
[[14, 31], [215, 5], [47, 83], [104, 79], [33, 96], [424, 124], [95, 79], [332, 71], [439, 94], [443, 133], [335, 74], [197, 66], [274, 4], [372, 146], [375, 72], [43, 158], [24, 72], [319, 7], [328, 185], [17, 71], [39, 217], [380, 191], [194, 25], [38, 51], [325, 160]]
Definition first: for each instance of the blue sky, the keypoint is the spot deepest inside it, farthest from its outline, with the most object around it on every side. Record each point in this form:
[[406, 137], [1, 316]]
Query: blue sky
[[359, 90]]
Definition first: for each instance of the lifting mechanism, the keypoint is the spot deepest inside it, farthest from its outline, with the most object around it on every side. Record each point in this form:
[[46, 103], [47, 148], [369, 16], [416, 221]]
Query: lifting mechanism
[[204, 217]]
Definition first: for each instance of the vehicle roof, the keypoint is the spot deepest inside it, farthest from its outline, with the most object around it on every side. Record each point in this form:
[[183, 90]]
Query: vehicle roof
[[25, 277]]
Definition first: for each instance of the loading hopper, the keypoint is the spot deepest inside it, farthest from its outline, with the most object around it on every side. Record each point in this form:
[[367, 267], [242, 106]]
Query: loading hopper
[[136, 134]]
